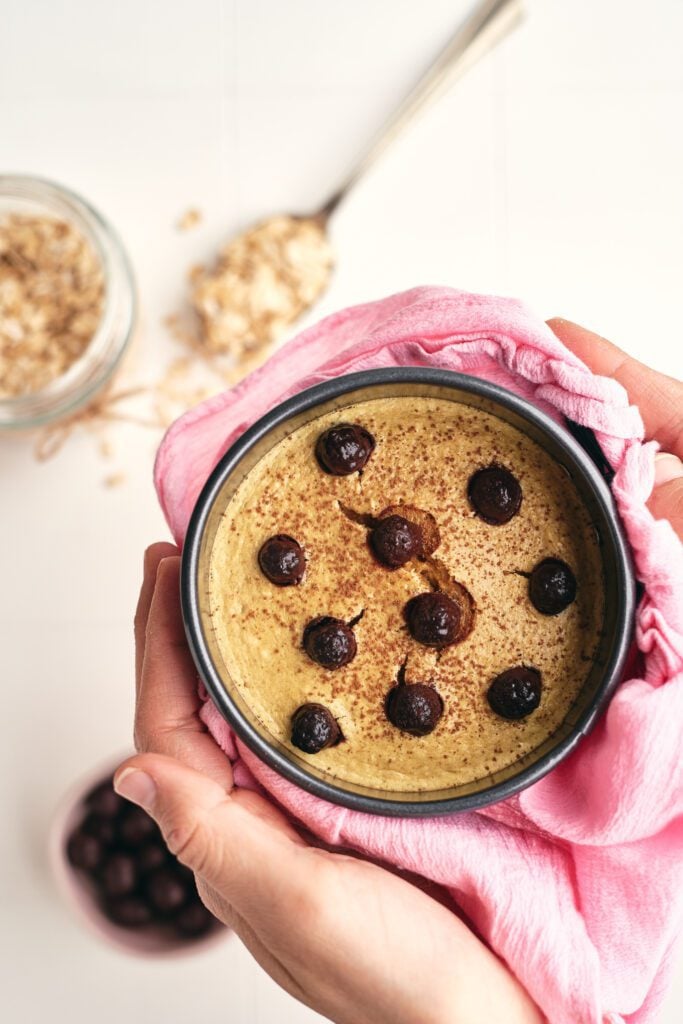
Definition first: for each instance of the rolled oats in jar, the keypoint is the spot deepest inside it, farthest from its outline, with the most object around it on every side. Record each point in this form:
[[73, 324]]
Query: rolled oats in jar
[[67, 302]]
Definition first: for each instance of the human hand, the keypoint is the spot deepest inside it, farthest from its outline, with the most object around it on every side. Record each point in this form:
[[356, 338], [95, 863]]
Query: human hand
[[660, 400], [353, 941]]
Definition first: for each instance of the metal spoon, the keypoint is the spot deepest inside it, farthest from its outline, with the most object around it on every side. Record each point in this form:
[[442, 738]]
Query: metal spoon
[[265, 278]]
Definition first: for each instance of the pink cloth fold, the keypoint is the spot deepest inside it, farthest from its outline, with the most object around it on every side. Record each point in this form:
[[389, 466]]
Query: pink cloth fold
[[577, 882]]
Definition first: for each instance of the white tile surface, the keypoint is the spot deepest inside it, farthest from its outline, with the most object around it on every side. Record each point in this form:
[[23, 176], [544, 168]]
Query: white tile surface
[[553, 172]]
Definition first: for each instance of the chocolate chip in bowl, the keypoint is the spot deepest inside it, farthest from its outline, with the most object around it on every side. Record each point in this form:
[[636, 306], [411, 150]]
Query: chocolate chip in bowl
[[466, 491], [122, 880]]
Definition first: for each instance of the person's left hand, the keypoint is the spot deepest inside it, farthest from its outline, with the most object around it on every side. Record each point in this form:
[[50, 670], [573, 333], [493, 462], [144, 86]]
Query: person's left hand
[[353, 941]]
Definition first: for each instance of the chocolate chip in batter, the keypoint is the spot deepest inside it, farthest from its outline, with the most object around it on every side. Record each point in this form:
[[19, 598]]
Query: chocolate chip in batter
[[494, 494], [425, 522], [344, 449], [314, 728], [395, 540], [414, 708], [552, 586], [329, 642], [433, 619], [282, 561], [515, 693]]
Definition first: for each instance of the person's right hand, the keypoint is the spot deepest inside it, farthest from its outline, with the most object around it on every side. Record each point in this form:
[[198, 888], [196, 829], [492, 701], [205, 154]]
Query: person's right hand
[[352, 940]]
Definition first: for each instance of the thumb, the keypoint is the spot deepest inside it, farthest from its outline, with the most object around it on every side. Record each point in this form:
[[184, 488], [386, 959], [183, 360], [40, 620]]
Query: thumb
[[666, 501], [220, 837]]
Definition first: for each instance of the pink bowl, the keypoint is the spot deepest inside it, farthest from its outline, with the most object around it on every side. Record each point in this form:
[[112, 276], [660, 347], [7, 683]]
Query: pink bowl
[[79, 894]]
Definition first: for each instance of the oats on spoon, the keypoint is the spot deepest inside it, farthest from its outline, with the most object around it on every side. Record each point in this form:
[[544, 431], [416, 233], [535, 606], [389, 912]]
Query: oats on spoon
[[262, 281]]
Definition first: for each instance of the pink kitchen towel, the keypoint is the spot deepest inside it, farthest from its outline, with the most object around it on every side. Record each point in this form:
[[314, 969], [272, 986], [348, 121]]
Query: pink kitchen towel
[[577, 882]]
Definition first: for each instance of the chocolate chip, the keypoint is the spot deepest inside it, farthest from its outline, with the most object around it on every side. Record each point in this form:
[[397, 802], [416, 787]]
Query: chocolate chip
[[425, 522], [552, 586], [282, 561], [329, 642], [414, 708], [103, 801], [344, 449], [128, 911], [165, 890], [84, 851], [395, 540], [103, 829], [314, 728], [150, 857], [516, 692], [194, 920], [118, 876], [433, 619], [136, 827], [494, 494]]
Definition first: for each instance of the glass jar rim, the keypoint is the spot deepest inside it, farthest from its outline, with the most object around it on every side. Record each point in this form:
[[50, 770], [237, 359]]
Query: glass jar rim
[[89, 373]]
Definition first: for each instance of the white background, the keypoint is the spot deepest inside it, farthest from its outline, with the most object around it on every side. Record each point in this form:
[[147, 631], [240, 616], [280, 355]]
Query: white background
[[554, 172]]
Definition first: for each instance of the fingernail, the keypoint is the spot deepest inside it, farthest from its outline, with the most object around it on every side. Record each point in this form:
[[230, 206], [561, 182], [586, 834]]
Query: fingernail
[[136, 786], [667, 467]]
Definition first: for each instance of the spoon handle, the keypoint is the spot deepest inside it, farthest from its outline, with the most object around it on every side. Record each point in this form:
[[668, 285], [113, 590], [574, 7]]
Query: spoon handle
[[487, 24]]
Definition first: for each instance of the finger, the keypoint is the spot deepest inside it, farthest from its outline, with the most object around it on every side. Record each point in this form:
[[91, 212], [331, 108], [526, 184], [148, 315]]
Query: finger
[[290, 905], [666, 501], [168, 673], [153, 555], [167, 712], [241, 855], [659, 398]]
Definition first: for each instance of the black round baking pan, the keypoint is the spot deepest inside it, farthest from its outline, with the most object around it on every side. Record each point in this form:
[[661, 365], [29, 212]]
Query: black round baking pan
[[605, 670]]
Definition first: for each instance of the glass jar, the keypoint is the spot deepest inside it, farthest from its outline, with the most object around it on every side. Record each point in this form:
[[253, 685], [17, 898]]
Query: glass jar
[[78, 385]]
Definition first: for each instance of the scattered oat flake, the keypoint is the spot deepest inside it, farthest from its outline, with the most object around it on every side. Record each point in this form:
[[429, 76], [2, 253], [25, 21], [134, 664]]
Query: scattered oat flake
[[105, 447], [114, 480], [190, 219], [110, 406], [51, 300]]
